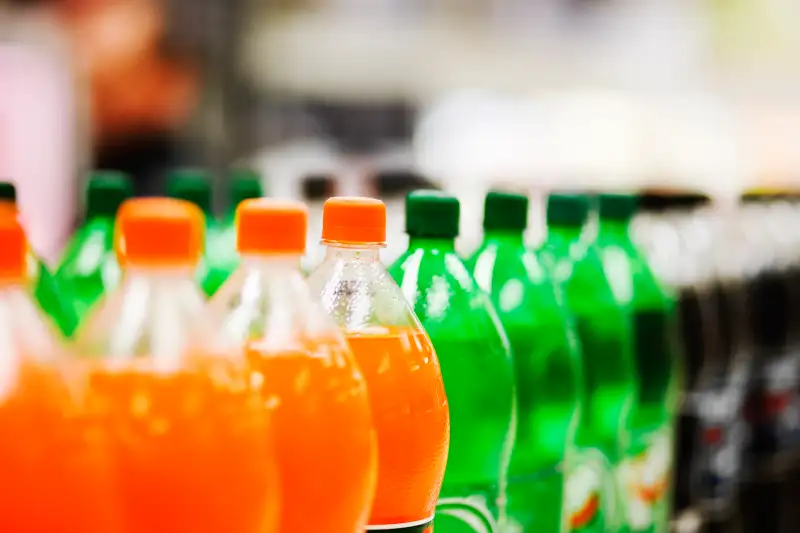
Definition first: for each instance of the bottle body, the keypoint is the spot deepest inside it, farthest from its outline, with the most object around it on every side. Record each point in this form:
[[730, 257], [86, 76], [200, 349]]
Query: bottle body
[[478, 375], [645, 473], [56, 470], [404, 380], [547, 370], [608, 383], [195, 452], [324, 436]]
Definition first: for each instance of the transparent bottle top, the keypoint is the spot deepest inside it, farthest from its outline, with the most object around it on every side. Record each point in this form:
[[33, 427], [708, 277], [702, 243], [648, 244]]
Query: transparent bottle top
[[24, 333], [357, 291], [154, 321], [267, 299]]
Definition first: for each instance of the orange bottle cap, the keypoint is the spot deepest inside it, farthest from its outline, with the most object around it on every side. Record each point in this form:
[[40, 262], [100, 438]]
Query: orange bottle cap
[[159, 232], [13, 244], [265, 225], [354, 220]]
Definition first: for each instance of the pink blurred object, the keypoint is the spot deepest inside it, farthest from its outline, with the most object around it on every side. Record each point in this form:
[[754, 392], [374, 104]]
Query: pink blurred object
[[37, 143]]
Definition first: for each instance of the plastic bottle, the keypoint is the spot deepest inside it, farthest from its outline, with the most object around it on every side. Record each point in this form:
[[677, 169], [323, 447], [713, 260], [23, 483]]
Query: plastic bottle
[[404, 380], [89, 266], [475, 358], [48, 294], [54, 476], [189, 435], [657, 229], [546, 360], [609, 384], [646, 473], [194, 185], [325, 440]]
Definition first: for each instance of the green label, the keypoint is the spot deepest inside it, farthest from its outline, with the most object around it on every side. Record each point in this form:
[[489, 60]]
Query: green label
[[644, 482], [589, 492]]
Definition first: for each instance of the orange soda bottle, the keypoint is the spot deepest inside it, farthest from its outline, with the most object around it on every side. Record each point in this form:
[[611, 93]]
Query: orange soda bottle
[[54, 470], [408, 400], [189, 436], [325, 439]]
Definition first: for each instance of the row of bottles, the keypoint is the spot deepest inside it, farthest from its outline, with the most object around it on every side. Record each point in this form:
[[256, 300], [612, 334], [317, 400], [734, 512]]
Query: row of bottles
[[736, 269], [515, 390], [89, 269]]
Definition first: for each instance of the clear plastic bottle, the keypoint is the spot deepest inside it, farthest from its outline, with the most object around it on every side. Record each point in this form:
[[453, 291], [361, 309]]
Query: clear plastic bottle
[[404, 380], [325, 440], [54, 472], [189, 436]]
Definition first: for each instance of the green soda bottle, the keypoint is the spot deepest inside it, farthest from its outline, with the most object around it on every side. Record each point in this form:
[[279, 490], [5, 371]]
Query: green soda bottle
[[476, 365], [546, 360], [645, 474], [609, 383], [89, 268], [194, 185]]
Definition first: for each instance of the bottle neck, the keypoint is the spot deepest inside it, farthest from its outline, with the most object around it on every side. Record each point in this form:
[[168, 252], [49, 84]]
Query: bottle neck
[[507, 237], [99, 217], [272, 263], [347, 252], [171, 272], [614, 228], [444, 244], [564, 233]]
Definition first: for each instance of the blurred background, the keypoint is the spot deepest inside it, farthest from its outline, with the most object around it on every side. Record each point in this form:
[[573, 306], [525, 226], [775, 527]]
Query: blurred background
[[378, 97], [348, 97]]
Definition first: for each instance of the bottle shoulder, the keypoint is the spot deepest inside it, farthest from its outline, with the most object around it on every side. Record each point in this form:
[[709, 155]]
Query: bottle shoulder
[[521, 288], [359, 294], [25, 330], [631, 277], [277, 310], [160, 322], [446, 298]]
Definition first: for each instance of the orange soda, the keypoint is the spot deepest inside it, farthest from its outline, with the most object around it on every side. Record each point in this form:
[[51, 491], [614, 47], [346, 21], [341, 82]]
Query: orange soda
[[408, 400], [325, 439], [54, 467], [189, 437]]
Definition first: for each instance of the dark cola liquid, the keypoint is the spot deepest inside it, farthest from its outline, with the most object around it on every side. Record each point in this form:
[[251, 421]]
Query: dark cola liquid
[[772, 390], [696, 332], [718, 403]]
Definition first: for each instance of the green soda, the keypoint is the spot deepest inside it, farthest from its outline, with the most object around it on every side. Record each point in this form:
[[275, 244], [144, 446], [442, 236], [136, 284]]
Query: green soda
[[89, 267], [194, 185], [609, 385], [645, 474], [476, 365], [546, 360]]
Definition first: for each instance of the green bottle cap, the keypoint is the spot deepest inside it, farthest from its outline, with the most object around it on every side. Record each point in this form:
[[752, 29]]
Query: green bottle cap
[[432, 214], [193, 185], [8, 192], [567, 209], [106, 191], [245, 183], [505, 211], [614, 206]]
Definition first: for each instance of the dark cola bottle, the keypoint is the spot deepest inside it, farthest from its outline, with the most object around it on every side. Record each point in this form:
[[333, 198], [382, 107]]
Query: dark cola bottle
[[677, 242], [790, 218], [771, 410], [720, 391]]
